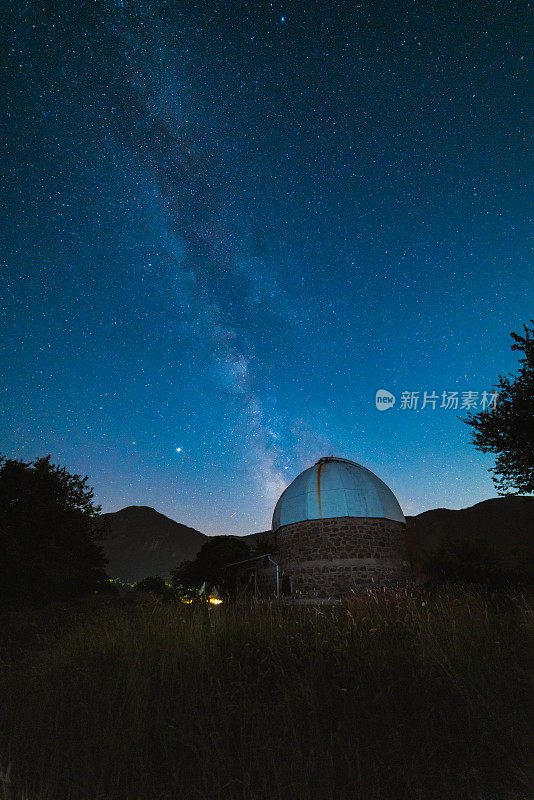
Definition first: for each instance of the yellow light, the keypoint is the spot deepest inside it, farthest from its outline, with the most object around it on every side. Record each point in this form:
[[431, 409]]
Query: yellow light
[[215, 601]]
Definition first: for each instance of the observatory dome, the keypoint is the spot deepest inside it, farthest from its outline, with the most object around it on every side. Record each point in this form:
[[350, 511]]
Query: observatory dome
[[336, 487]]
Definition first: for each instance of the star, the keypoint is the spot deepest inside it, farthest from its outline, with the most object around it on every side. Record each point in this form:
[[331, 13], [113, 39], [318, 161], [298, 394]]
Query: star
[[243, 244]]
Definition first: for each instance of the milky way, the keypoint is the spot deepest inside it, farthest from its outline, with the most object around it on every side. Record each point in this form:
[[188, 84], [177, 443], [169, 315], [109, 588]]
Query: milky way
[[229, 226], [206, 256]]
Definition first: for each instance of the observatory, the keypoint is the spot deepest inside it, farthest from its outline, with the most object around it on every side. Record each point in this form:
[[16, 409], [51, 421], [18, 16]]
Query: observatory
[[337, 527], [333, 488]]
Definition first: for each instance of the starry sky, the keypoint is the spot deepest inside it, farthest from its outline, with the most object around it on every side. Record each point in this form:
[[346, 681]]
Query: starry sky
[[227, 225]]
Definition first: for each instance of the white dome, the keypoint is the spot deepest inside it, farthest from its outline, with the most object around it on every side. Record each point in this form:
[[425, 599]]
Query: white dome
[[335, 487]]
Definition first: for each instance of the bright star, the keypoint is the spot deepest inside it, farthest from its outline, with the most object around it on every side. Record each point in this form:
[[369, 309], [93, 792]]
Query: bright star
[[178, 449]]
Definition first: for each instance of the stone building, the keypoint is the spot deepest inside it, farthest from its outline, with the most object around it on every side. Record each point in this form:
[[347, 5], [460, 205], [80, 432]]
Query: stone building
[[336, 528]]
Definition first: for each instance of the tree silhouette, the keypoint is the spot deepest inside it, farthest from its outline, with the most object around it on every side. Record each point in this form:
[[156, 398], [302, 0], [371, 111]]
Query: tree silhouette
[[48, 536], [154, 584], [478, 560], [508, 429], [210, 562]]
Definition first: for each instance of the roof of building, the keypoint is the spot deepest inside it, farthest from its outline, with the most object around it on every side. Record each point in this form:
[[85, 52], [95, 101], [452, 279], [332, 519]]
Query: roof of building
[[252, 558], [336, 487]]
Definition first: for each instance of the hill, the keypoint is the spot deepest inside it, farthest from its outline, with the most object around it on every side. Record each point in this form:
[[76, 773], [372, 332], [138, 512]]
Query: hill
[[507, 522], [142, 542], [252, 538]]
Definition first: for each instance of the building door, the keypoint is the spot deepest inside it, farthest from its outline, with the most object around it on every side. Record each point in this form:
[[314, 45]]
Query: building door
[[286, 585], [249, 582]]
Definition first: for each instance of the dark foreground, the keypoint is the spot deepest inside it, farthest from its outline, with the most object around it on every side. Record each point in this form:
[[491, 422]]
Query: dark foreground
[[391, 697]]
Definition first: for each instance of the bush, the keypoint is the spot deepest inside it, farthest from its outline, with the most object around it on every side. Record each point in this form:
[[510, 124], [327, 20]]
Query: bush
[[262, 546], [209, 565], [154, 584], [478, 561]]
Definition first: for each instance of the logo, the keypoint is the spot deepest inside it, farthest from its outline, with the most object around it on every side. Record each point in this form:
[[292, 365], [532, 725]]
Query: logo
[[456, 400], [384, 400]]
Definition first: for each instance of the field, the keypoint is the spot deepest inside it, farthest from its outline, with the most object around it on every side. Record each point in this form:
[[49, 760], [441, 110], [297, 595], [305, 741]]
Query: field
[[393, 696]]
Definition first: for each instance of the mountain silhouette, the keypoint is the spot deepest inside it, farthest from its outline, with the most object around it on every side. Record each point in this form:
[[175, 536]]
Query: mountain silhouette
[[140, 542], [506, 522]]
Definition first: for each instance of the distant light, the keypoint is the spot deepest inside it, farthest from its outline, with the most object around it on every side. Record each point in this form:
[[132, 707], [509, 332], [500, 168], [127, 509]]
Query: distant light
[[214, 599], [178, 449], [283, 19]]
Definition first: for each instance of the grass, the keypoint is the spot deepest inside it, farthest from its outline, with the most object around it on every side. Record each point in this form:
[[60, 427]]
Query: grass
[[393, 696]]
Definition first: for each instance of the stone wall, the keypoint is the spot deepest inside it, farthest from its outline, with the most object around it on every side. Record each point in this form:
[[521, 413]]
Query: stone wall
[[329, 557]]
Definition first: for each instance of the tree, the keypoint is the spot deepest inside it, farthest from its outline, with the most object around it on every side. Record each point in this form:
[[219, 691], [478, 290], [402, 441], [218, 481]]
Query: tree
[[262, 546], [508, 428], [478, 560], [152, 583], [473, 560], [48, 536], [209, 564]]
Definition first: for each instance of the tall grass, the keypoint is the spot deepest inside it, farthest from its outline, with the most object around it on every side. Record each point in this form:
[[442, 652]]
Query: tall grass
[[391, 696]]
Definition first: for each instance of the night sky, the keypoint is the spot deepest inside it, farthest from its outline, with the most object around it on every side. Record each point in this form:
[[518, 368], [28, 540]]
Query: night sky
[[226, 226]]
